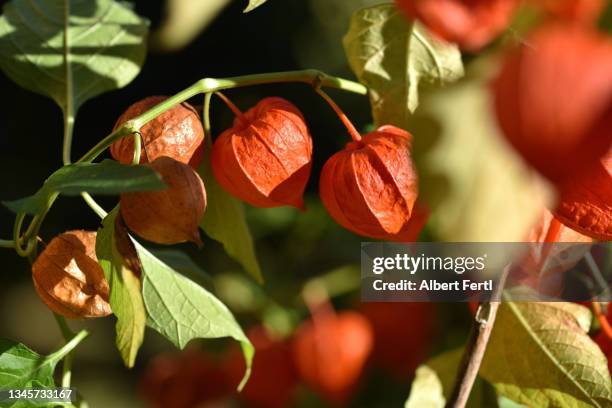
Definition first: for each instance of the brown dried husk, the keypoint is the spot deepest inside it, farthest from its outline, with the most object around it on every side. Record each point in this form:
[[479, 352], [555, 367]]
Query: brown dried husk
[[169, 216], [176, 133], [68, 278]]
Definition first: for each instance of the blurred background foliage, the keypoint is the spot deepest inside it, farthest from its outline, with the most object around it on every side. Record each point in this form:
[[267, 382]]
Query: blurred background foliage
[[191, 40]]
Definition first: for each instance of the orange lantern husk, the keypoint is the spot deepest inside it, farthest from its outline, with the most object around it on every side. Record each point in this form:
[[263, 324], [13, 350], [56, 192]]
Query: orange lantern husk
[[471, 24], [371, 187], [265, 158]]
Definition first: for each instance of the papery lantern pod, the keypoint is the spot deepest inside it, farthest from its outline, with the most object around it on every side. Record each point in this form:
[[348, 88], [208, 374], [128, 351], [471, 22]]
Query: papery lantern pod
[[331, 350], [579, 11], [176, 133], [470, 24], [68, 278], [371, 187], [585, 202], [553, 99], [169, 216], [265, 158]]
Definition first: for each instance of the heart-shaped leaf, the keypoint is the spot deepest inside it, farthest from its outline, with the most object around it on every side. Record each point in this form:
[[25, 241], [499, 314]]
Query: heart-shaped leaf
[[181, 310], [71, 50]]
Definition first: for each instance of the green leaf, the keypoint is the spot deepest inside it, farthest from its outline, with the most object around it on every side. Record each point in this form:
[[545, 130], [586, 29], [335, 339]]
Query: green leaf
[[478, 188], [181, 310], [21, 367], [104, 45], [107, 177], [426, 390], [225, 221], [125, 292], [183, 264], [393, 57], [540, 355], [253, 4]]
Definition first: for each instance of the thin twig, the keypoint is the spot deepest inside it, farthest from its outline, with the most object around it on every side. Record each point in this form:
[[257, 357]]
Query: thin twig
[[477, 345]]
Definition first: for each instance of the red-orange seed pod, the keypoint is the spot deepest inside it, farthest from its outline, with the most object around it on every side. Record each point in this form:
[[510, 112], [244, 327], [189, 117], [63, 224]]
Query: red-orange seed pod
[[585, 203], [553, 99], [266, 157], [168, 216], [176, 133], [580, 11], [371, 186], [68, 278], [331, 351], [470, 23]]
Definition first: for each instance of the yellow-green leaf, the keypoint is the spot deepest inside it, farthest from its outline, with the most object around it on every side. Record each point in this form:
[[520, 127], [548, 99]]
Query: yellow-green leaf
[[394, 57], [125, 292], [540, 355]]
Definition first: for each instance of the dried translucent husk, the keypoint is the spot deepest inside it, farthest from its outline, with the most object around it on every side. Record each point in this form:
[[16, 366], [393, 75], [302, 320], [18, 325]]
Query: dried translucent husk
[[68, 278]]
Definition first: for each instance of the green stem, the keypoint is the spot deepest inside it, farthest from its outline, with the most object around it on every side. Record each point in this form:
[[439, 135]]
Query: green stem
[[69, 107], [94, 205], [67, 348], [313, 77], [69, 337], [68, 128], [206, 119], [137, 148], [6, 243]]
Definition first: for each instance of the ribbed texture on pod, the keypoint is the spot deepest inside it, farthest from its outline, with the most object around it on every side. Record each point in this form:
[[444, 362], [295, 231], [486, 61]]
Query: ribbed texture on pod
[[176, 133], [470, 23], [371, 187], [68, 278], [168, 216], [585, 203], [553, 99], [266, 157]]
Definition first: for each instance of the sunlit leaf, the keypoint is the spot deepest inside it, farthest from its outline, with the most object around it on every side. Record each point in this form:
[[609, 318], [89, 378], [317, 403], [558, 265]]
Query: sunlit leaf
[[435, 379], [181, 310], [104, 47], [21, 367], [125, 292], [253, 4], [394, 57], [540, 355]]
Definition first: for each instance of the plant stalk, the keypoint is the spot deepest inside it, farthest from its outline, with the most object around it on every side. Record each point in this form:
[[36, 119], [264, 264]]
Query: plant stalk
[[6, 243], [478, 340]]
